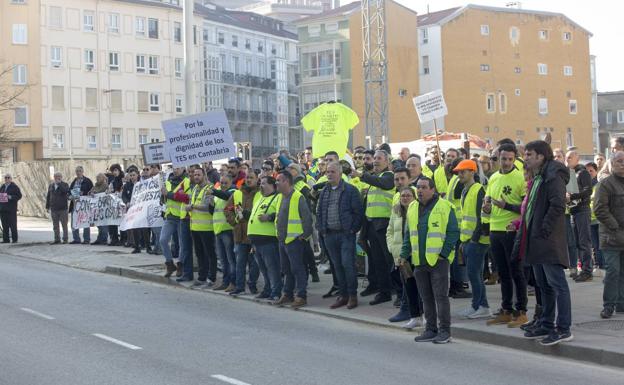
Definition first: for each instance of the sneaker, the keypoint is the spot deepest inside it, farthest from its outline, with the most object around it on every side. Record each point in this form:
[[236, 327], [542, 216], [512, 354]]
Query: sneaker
[[556, 337], [518, 320], [481, 312], [584, 277], [504, 317], [466, 312], [413, 323], [198, 283], [442, 338], [223, 286], [426, 336], [529, 325], [236, 292], [283, 300], [537, 333], [263, 295], [607, 312], [298, 302]]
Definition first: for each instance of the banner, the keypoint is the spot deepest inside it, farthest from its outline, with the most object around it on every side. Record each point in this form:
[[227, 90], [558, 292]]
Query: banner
[[99, 210], [199, 138], [145, 209], [430, 106]]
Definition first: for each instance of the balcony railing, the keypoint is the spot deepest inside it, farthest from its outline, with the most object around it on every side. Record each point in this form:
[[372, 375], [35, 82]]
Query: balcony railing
[[247, 80]]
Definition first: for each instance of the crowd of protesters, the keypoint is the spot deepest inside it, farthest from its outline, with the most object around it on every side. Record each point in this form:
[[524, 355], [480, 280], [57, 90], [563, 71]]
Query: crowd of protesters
[[431, 227]]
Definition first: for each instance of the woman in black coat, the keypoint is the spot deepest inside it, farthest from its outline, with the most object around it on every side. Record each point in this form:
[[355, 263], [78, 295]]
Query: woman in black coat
[[115, 185]]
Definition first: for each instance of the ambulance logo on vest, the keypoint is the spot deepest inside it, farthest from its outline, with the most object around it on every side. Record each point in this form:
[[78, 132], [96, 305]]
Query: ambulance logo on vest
[[507, 190], [435, 224]]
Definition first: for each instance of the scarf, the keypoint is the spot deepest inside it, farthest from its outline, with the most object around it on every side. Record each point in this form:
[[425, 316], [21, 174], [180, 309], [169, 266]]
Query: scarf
[[528, 215]]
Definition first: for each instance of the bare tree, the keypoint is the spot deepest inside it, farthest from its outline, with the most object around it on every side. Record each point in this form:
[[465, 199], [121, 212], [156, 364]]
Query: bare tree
[[10, 98]]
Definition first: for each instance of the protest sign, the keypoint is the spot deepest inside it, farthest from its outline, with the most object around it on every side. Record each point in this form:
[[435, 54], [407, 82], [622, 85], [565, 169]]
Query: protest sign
[[99, 210], [155, 153], [430, 106], [145, 209], [199, 138], [4, 197]]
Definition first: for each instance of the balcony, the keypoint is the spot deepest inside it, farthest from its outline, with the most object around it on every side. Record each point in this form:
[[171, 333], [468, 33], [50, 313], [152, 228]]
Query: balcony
[[268, 117], [262, 151], [245, 80], [294, 120], [255, 116]]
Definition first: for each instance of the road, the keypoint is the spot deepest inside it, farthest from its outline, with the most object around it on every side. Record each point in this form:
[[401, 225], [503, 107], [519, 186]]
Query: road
[[66, 326]]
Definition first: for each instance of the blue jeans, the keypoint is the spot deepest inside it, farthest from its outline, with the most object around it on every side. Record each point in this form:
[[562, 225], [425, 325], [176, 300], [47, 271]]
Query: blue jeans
[[102, 234], [156, 239], [293, 268], [572, 250], [244, 258], [613, 293], [595, 238], [267, 256], [169, 230], [225, 251], [186, 247], [555, 294], [341, 248], [86, 233], [474, 254]]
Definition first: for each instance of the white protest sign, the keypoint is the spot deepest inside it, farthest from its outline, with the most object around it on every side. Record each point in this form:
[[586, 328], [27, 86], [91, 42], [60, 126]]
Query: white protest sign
[[99, 210], [145, 209], [430, 106], [198, 138], [155, 153]]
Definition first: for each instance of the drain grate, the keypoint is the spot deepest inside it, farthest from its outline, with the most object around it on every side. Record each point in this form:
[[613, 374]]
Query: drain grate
[[610, 325]]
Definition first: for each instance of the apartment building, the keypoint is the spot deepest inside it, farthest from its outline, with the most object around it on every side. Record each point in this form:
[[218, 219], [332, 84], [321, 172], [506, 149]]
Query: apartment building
[[610, 117], [509, 72]]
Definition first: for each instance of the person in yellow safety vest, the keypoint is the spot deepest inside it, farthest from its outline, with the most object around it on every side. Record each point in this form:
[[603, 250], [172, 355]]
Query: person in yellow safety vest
[[378, 208], [224, 237], [415, 168], [202, 230], [263, 236], [433, 162], [173, 212], [431, 233], [443, 174], [238, 210], [474, 244], [293, 223]]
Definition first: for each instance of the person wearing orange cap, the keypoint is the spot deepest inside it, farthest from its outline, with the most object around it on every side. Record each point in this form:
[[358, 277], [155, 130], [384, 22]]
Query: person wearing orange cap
[[474, 244]]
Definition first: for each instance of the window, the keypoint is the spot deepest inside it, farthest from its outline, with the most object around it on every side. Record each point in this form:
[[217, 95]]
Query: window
[[143, 101], [89, 58], [153, 65], [139, 26], [179, 104], [91, 138], [56, 17], [425, 65], [620, 116], [116, 138], [19, 74], [273, 68], [517, 91], [273, 49], [221, 38], [113, 22], [321, 63], [517, 70], [113, 61], [21, 116], [56, 60], [490, 103], [314, 30], [485, 29], [567, 70], [502, 103], [152, 28], [424, 36], [154, 105], [572, 107], [142, 138], [87, 21], [567, 36], [58, 137], [261, 69], [140, 64], [485, 67], [20, 34], [247, 43], [260, 46], [248, 66], [58, 98], [115, 100], [178, 68], [514, 33], [195, 34], [542, 69], [235, 63], [542, 104], [18, 1], [91, 98], [234, 41], [608, 117], [177, 32], [543, 34]]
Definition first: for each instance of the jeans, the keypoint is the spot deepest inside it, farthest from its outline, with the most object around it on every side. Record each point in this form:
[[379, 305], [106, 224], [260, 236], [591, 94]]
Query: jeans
[[432, 282], [156, 239], [341, 248], [59, 217], [225, 252], [613, 292], [293, 268], [244, 258], [572, 249], [204, 242], [555, 294], [595, 238], [86, 233], [169, 228], [102, 234], [379, 259], [267, 256], [333, 270], [474, 254], [510, 271], [582, 233], [186, 247]]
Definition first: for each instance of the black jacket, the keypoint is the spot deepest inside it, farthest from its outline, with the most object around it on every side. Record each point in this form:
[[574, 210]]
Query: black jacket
[[384, 182], [14, 194], [85, 187], [126, 192], [57, 198], [585, 189], [609, 209]]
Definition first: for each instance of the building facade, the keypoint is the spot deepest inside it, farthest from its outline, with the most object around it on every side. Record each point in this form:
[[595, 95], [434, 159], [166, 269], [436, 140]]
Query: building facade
[[610, 117]]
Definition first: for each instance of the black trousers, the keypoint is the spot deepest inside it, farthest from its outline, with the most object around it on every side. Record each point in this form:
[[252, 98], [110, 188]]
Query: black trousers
[[308, 258], [204, 242], [140, 236], [379, 260], [9, 222], [409, 291], [510, 272]]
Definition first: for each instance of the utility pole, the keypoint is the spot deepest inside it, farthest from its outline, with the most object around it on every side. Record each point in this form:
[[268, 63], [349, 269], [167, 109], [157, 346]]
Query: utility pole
[[189, 60]]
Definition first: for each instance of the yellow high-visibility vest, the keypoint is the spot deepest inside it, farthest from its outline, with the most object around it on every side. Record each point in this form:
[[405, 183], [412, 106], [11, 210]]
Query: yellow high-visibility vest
[[379, 201], [436, 231], [201, 219], [295, 226], [263, 205], [175, 208], [469, 215], [220, 224]]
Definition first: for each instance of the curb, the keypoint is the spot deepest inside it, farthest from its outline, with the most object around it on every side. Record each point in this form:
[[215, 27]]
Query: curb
[[570, 351]]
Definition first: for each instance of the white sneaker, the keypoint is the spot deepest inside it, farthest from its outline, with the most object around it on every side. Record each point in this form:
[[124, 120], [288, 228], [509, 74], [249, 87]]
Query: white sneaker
[[481, 312], [413, 323], [466, 312], [598, 272]]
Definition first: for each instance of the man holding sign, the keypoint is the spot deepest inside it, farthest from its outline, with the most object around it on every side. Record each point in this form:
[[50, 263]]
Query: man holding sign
[[9, 195]]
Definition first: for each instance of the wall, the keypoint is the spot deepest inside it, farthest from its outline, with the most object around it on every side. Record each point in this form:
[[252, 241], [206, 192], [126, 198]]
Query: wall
[[434, 80]]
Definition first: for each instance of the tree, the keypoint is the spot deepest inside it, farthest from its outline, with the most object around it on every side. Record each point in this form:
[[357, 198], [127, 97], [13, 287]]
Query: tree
[[10, 98]]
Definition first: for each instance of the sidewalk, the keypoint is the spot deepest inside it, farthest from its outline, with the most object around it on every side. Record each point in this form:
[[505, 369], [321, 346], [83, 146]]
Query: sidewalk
[[595, 340]]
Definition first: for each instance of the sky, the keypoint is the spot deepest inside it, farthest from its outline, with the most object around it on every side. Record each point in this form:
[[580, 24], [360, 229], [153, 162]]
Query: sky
[[603, 18]]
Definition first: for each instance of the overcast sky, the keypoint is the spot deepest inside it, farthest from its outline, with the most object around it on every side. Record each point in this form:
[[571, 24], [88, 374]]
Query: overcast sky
[[603, 18]]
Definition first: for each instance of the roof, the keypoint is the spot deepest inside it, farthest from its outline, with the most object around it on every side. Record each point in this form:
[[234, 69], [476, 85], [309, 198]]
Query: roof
[[340, 11], [435, 17], [611, 93]]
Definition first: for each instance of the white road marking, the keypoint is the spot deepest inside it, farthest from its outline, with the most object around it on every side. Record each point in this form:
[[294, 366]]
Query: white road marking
[[229, 380], [116, 341], [34, 312]]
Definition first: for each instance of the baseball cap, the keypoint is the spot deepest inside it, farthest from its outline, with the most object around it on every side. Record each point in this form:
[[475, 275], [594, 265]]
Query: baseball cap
[[466, 164]]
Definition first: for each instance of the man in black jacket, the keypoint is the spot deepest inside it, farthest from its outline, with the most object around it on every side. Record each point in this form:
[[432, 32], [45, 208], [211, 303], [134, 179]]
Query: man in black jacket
[[9, 195], [56, 202], [80, 186]]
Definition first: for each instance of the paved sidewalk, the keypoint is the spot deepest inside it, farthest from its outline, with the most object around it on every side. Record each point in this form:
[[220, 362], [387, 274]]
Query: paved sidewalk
[[596, 340]]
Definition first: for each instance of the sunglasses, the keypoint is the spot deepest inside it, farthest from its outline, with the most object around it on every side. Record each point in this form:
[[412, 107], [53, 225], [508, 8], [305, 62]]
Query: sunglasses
[[146, 169], [267, 168], [7, 177]]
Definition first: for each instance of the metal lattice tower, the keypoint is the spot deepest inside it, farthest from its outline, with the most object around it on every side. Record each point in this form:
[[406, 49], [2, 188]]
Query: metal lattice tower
[[375, 69]]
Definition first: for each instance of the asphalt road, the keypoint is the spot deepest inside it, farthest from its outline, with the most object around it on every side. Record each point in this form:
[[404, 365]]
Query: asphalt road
[[60, 325]]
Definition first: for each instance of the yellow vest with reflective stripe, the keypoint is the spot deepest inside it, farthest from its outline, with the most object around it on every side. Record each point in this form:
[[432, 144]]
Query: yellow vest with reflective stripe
[[201, 220], [379, 201], [175, 208], [295, 227], [450, 196], [436, 231], [426, 171], [218, 218], [439, 178], [469, 215], [300, 185], [263, 205]]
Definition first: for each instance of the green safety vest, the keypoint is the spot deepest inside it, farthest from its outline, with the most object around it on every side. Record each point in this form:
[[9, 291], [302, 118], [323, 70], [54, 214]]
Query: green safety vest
[[436, 231], [469, 215], [201, 219], [426, 171], [295, 227], [379, 201], [175, 208], [237, 198], [451, 198], [218, 218], [263, 205], [439, 178]]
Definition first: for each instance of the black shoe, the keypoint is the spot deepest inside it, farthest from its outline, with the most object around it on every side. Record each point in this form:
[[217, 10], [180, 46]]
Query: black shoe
[[584, 277], [381, 298], [426, 336], [528, 326], [149, 250], [96, 243], [253, 289], [556, 337], [462, 294], [369, 291], [315, 276], [135, 251], [221, 287], [236, 292], [71, 243], [537, 333], [86, 242], [332, 292], [607, 312], [263, 296], [184, 279], [55, 243]]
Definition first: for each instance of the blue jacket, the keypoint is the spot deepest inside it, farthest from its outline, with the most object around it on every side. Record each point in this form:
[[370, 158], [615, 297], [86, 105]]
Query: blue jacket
[[350, 206]]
